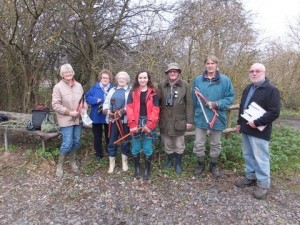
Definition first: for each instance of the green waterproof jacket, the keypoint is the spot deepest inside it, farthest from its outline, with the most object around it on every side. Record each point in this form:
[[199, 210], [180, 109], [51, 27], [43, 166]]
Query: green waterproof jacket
[[176, 107]]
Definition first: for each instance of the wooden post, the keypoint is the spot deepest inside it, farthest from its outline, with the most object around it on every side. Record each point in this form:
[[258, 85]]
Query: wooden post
[[5, 140]]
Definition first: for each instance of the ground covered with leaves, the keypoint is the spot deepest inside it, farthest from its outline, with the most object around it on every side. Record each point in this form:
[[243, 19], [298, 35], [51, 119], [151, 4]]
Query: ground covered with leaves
[[31, 194]]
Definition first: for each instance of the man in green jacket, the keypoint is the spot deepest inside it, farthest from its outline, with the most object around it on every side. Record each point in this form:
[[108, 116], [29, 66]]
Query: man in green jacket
[[176, 115]]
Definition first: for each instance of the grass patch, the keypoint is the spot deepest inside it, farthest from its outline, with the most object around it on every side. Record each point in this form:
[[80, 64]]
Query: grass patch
[[284, 151], [290, 113]]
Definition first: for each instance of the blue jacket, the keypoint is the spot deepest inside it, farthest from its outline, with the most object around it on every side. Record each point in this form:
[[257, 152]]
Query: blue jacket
[[219, 89], [92, 96]]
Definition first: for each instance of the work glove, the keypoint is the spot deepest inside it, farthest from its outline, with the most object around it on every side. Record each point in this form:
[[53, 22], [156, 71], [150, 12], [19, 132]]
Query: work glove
[[212, 105], [146, 130], [133, 130]]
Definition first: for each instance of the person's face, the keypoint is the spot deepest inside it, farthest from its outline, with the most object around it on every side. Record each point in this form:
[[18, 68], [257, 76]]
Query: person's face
[[67, 75], [105, 79], [211, 66], [256, 74], [173, 75], [143, 79], [122, 81]]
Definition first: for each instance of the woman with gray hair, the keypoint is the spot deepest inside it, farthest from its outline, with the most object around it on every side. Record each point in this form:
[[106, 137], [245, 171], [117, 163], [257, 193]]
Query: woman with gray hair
[[115, 109], [68, 102]]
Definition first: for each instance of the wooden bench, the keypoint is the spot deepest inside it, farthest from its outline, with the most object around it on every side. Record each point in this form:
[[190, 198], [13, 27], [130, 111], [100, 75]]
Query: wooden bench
[[22, 118]]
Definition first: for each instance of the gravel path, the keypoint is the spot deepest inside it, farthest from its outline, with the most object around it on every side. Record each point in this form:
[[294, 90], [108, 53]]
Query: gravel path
[[34, 196]]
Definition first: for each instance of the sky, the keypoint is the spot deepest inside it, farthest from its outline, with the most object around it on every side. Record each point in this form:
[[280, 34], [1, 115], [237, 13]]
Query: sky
[[274, 16]]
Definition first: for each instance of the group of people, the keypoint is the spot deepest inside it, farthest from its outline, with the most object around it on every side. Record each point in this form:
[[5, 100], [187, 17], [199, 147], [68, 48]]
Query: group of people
[[121, 111]]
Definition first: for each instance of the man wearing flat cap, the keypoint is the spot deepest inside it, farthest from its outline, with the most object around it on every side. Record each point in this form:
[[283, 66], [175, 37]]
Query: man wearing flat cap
[[176, 115]]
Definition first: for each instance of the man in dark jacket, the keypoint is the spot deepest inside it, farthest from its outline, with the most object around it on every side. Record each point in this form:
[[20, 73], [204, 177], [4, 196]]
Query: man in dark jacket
[[176, 115], [256, 133]]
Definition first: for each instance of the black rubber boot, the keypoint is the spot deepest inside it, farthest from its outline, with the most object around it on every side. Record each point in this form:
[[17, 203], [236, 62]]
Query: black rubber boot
[[170, 161], [147, 167], [178, 168], [137, 166]]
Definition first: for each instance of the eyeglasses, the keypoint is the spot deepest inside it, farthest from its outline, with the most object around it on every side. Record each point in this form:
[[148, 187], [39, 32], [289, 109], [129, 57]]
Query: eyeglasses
[[255, 71], [106, 78]]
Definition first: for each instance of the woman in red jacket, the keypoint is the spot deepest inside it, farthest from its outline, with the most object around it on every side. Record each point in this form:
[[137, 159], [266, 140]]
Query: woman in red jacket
[[142, 114]]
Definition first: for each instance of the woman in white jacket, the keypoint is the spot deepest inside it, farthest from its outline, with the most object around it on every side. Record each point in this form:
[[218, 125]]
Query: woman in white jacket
[[115, 109]]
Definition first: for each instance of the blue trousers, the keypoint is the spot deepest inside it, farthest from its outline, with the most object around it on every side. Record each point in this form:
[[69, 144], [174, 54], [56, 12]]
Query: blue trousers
[[114, 135], [257, 159]]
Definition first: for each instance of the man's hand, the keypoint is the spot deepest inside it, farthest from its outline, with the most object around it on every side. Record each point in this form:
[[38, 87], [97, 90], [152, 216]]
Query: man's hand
[[212, 105], [146, 130], [189, 126], [251, 124]]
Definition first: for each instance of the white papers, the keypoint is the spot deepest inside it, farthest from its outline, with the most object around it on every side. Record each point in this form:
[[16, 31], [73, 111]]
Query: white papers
[[85, 118], [254, 112]]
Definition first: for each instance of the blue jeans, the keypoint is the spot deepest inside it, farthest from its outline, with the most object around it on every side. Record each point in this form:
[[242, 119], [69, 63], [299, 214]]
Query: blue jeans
[[257, 159], [70, 138], [114, 135]]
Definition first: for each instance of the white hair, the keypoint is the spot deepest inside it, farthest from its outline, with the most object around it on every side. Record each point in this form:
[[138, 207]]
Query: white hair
[[66, 68], [124, 74]]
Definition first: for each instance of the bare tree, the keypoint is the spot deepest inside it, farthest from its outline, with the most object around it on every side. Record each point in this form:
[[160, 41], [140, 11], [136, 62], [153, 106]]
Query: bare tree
[[222, 28], [24, 37]]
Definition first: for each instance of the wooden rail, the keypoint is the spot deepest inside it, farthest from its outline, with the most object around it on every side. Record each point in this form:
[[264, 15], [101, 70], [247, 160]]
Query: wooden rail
[[48, 136], [228, 129]]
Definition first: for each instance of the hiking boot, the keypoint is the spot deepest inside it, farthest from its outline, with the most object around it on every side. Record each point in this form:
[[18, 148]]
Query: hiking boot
[[244, 182], [260, 193], [214, 169], [199, 168]]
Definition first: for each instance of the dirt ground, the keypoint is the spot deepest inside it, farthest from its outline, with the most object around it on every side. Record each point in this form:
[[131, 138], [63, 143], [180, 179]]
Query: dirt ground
[[31, 194]]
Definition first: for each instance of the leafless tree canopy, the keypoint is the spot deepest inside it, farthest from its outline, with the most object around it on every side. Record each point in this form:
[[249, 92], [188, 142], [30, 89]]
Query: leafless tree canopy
[[36, 37]]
